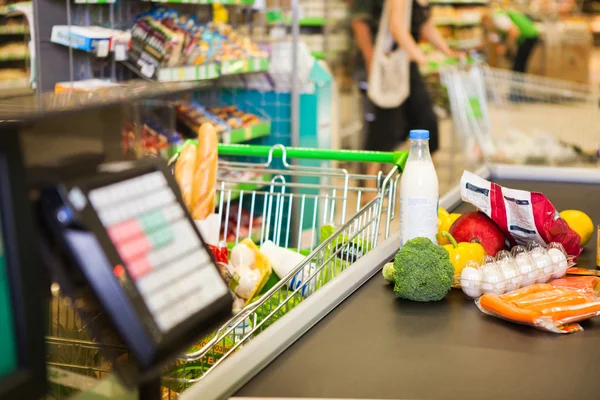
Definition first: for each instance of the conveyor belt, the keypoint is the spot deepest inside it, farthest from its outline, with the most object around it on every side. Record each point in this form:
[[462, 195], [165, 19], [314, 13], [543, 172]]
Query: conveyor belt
[[375, 346]]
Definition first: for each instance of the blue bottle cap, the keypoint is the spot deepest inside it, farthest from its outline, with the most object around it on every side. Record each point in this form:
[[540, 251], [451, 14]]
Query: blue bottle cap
[[419, 134]]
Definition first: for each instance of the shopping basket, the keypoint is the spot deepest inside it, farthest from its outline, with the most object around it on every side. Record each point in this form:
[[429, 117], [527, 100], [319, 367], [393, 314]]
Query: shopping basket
[[315, 210], [521, 118]]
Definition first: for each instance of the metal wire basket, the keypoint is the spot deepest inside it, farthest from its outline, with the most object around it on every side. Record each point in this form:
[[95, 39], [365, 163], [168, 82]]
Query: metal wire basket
[[523, 119], [324, 213]]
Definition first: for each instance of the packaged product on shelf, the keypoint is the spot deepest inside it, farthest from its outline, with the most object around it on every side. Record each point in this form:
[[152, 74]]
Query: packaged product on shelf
[[526, 217], [88, 85], [193, 115], [225, 119], [166, 38], [14, 51], [555, 307], [92, 39]]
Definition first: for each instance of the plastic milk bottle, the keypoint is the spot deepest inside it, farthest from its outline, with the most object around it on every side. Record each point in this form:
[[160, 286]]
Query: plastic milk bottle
[[419, 192]]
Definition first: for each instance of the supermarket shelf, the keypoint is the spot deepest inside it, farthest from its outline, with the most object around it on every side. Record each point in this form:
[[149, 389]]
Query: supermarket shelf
[[187, 73], [465, 44], [277, 17], [13, 30], [460, 2], [6, 93], [95, 1], [244, 66], [211, 71], [312, 21], [243, 135], [240, 135], [14, 58], [456, 22], [223, 2], [33, 107], [10, 10]]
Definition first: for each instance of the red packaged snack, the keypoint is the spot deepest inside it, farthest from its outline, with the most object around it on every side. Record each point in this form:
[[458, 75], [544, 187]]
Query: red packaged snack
[[524, 216], [220, 252]]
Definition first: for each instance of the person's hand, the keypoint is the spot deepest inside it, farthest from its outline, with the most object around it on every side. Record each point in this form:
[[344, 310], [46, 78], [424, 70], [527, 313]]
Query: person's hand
[[460, 55], [501, 50], [420, 59]]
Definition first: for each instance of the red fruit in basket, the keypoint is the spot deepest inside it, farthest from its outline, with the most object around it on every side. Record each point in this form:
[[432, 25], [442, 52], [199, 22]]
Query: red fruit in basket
[[478, 227]]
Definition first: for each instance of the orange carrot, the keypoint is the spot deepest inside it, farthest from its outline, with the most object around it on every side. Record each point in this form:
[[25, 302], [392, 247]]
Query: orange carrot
[[588, 284], [539, 297], [517, 294], [565, 301], [574, 313], [493, 303]]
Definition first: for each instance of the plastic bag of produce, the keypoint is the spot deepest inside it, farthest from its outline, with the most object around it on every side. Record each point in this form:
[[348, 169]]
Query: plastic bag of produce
[[342, 252], [524, 216], [555, 307]]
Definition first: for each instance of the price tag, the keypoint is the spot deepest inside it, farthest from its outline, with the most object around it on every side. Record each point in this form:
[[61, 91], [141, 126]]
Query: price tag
[[120, 52], [148, 70], [103, 47]]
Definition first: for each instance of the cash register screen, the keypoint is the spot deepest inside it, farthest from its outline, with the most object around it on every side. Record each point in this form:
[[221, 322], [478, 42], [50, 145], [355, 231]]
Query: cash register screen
[[161, 252], [8, 345]]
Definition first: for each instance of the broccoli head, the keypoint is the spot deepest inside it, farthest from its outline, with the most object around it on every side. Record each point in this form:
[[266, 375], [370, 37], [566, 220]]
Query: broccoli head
[[423, 271]]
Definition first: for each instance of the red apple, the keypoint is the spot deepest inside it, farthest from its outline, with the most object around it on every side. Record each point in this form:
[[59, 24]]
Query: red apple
[[478, 227]]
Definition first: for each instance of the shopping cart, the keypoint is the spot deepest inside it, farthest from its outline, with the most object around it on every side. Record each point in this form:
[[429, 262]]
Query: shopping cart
[[305, 205], [524, 119]]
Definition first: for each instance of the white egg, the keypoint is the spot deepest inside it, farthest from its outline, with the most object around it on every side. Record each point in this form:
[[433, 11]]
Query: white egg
[[559, 261], [526, 269], [249, 279], [470, 281], [492, 280], [511, 275], [544, 265], [242, 255]]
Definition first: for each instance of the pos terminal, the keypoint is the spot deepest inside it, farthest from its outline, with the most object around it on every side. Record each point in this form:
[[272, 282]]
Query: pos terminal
[[125, 234]]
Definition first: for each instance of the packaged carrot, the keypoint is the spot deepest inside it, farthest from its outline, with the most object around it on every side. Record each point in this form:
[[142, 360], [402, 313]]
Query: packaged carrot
[[556, 307]]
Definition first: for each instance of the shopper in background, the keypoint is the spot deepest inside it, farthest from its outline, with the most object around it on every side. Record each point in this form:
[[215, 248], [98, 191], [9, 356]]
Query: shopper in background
[[385, 129], [516, 31]]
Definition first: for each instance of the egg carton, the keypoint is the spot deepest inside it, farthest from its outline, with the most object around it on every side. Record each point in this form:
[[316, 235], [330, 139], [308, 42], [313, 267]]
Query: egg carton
[[513, 270]]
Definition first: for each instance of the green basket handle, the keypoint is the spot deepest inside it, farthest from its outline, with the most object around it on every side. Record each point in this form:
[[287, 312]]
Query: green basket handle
[[397, 158]]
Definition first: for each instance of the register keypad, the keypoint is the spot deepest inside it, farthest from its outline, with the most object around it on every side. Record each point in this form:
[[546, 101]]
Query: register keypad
[[160, 250]]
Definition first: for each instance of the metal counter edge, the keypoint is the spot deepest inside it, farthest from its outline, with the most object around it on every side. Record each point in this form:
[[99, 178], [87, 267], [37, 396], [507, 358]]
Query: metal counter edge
[[229, 377]]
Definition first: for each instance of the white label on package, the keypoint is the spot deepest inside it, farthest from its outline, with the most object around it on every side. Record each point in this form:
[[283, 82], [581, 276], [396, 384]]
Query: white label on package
[[476, 190], [120, 52], [103, 47], [519, 216]]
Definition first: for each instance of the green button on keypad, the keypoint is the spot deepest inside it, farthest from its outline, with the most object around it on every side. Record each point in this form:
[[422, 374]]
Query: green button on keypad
[[152, 221]]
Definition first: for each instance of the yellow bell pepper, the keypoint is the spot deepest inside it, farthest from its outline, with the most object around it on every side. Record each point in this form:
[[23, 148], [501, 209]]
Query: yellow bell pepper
[[461, 253], [445, 221]]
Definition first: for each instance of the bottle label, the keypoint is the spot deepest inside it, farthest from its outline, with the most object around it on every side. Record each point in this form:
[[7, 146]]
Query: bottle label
[[418, 218]]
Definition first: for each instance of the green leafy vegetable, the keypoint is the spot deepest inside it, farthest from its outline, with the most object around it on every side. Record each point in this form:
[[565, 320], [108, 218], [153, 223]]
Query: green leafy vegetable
[[422, 271], [263, 311]]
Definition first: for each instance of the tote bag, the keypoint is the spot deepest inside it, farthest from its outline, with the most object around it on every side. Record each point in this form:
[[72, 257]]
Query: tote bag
[[389, 79]]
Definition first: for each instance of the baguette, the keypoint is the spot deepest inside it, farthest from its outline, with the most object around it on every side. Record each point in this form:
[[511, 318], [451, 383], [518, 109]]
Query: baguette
[[205, 180], [185, 170]]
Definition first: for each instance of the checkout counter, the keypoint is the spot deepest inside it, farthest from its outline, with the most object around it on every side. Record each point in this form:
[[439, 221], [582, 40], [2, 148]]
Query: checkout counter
[[372, 345]]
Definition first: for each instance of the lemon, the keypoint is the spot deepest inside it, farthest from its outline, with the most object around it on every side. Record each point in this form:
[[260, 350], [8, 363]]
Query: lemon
[[580, 223]]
